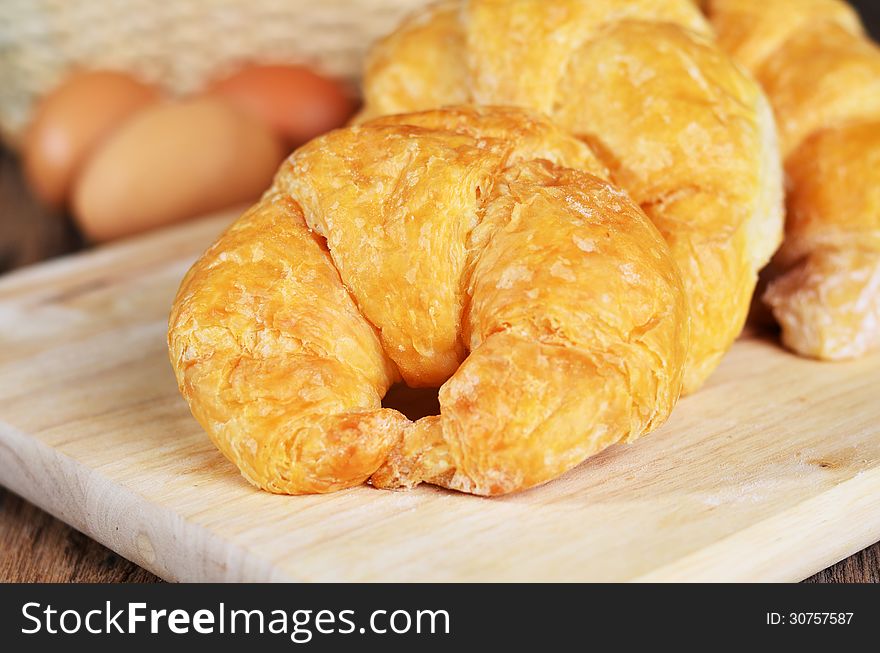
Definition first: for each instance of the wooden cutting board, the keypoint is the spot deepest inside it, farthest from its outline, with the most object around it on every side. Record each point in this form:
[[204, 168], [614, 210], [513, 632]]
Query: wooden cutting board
[[771, 472]]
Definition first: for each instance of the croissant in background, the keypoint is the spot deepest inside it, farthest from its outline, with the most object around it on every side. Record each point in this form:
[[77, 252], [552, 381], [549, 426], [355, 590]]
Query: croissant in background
[[822, 75], [678, 124], [456, 248]]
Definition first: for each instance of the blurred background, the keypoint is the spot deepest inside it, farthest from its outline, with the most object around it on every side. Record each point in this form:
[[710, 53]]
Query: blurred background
[[121, 116]]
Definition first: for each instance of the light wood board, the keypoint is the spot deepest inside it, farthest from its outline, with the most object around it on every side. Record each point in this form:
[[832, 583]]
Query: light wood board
[[771, 472]]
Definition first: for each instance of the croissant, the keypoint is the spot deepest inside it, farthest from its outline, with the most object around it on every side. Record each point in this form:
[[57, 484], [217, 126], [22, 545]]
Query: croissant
[[822, 75], [465, 248], [679, 125]]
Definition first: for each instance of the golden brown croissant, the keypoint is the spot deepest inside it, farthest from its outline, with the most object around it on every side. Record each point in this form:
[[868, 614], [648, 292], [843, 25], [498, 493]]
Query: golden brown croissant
[[822, 75], [680, 127], [452, 247]]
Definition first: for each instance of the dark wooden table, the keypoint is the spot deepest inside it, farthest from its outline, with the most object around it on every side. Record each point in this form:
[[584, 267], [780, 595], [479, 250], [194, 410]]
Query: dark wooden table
[[36, 547]]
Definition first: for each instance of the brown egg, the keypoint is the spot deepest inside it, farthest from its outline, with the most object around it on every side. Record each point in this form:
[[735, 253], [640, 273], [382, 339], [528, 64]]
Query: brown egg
[[173, 162], [70, 123], [296, 102]]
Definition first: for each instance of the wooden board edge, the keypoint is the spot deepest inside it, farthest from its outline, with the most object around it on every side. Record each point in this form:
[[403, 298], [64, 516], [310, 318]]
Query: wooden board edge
[[122, 520], [127, 523], [108, 255], [853, 506]]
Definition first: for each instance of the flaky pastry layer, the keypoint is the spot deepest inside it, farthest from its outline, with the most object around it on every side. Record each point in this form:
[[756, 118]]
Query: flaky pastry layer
[[678, 124], [453, 248], [822, 75]]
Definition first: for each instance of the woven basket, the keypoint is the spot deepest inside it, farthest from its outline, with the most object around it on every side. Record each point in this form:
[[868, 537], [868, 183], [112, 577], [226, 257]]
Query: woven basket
[[178, 44]]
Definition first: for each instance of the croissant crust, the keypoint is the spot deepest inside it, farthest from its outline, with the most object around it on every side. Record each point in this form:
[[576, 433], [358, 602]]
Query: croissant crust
[[457, 248], [679, 125], [822, 75]]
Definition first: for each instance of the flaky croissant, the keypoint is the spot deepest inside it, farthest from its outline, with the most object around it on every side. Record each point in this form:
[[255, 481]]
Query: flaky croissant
[[822, 75], [455, 248], [678, 124]]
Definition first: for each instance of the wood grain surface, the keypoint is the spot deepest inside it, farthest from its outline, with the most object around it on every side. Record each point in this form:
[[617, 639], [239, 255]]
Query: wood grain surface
[[771, 472], [36, 547]]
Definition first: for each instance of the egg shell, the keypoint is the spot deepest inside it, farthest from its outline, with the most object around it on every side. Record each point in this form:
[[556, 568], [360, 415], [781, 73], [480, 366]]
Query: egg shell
[[173, 162], [297, 103], [72, 121]]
